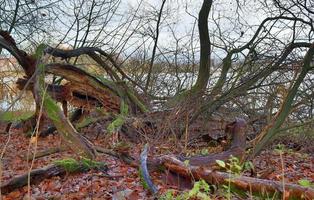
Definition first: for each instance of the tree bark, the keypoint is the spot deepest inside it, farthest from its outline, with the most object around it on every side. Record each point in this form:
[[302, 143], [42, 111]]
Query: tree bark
[[72, 138], [36, 176], [204, 68]]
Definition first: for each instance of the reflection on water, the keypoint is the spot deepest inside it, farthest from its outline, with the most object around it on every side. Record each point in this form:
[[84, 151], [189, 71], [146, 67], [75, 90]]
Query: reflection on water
[[15, 102], [10, 96]]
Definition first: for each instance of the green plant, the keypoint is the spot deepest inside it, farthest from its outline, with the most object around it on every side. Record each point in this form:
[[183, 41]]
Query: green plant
[[168, 195], [233, 165], [248, 165], [186, 163], [280, 148], [306, 183], [143, 182], [204, 152], [200, 190]]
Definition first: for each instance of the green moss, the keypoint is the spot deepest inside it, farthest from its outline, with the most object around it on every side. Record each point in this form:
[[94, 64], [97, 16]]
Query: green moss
[[119, 121], [143, 182], [40, 51], [86, 121], [141, 106], [71, 165], [52, 109], [128, 92], [15, 116], [90, 164]]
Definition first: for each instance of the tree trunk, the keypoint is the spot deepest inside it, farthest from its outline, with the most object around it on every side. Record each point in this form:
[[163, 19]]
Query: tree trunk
[[204, 68]]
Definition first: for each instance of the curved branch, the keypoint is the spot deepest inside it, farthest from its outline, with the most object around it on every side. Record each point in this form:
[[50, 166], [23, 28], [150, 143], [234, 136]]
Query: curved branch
[[214, 104], [90, 51], [27, 62], [144, 171]]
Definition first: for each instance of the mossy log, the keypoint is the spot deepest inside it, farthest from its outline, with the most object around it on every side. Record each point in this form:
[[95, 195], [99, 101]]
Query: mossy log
[[36, 176], [60, 168]]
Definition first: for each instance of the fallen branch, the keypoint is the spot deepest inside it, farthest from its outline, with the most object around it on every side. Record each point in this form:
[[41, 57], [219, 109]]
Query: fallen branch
[[254, 185], [38, 175], [122, 156], [144, 171]]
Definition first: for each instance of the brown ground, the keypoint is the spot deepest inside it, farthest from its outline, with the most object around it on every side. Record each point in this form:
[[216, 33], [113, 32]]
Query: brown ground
[[123, 180]]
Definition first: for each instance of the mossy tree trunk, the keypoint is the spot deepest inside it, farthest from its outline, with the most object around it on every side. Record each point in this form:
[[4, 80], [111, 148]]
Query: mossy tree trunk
[[70, 136], [270, 131]]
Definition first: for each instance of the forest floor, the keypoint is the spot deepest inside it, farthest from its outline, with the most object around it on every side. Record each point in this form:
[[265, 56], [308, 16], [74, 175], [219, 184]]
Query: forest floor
[[122, 181]]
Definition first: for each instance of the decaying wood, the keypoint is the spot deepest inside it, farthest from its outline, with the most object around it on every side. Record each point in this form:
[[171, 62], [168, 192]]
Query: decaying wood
[[237, 129], [64, 93], [254, 185], [75, 141], [36, 176], [202, 167], [83, 90], [83, 83]]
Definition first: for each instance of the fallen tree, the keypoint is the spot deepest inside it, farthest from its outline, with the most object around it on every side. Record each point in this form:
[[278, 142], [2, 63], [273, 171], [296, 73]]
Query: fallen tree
[[117, 98], [81, 87], [256, 186], [206, 168]]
